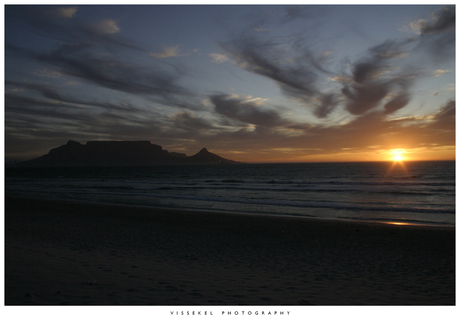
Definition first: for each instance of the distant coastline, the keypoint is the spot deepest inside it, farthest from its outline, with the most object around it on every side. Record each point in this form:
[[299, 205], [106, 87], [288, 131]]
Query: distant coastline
[[118, 153]]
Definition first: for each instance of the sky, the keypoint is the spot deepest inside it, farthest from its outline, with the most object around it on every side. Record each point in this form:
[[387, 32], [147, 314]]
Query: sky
[[263, 83]]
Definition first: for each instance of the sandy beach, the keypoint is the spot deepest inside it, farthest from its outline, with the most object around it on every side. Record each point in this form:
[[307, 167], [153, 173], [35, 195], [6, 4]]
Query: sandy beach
[[67, 253]]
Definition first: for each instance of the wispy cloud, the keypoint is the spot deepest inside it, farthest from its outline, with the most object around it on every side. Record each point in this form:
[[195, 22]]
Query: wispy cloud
[[92, 53], [187, 121], [107, 26], [218, 58], [245, 111], [372, 78], [49, 73], [66, 12], [268, 60], [113, 73], [166, 53], [440, 72]]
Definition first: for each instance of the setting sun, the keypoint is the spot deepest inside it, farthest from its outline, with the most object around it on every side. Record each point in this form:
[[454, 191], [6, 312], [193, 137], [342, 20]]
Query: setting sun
[[397, 154]]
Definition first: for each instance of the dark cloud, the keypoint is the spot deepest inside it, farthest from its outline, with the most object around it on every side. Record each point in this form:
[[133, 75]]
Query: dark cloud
[[246, 112], [296, 78], [375, 77], [372, 68], [445, 119], [378, 64], [366, 71], [438, 37], [327, 104], [266, 59], [187, 121], [398, 102], [445, 21], [364, 97]]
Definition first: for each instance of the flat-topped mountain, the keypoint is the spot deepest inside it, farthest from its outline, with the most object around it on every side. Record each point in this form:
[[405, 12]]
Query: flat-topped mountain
[[119, 153]]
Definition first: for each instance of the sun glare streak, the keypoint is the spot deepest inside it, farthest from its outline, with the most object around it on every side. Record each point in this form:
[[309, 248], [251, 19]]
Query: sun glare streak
[[397, 160]]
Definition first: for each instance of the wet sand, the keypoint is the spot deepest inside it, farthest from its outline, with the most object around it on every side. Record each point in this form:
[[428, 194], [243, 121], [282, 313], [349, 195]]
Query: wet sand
[[66, 253]]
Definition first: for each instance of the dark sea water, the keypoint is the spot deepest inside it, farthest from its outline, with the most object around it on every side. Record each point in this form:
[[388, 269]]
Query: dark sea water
[[413, 192]]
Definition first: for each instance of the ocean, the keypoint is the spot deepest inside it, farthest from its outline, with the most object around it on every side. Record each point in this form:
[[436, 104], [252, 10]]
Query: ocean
[[399, 192]]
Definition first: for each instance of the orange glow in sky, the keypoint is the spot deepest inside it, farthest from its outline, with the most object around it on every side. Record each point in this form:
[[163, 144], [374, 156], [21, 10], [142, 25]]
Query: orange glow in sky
[[290, 88], [398, 156]]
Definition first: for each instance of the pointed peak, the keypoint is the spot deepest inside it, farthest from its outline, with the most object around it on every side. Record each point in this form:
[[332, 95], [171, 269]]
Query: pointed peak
[[204, 153]]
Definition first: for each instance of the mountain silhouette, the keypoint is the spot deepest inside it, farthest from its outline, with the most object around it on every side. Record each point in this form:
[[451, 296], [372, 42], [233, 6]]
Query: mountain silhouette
[[119, 153], [205, 156]]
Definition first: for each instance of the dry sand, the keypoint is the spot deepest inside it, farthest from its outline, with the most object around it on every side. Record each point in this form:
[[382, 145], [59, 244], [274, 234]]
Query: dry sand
[[65, 253]]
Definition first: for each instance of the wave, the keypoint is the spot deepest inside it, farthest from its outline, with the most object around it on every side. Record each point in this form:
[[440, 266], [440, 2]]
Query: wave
[[413, 192], [331, 182], [419, 189], [337, 205], [261, 182], [239, 188]]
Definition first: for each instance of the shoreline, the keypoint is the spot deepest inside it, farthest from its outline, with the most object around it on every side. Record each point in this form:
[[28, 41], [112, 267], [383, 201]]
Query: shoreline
[[164, 210], [61, 252]]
